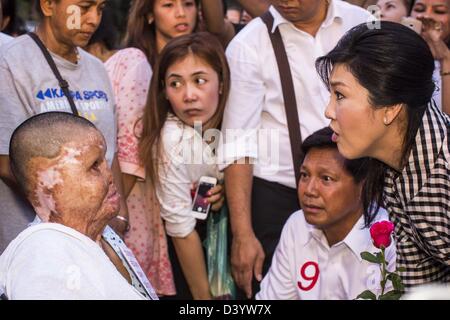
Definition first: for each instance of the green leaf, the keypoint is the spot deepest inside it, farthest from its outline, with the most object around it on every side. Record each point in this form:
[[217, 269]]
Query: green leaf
[[367, 295], [391, 295], [400, 269], [397, 282], [370, 257]]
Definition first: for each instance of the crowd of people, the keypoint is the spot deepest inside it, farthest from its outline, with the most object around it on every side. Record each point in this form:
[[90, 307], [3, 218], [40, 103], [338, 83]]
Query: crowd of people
[[317, 118]]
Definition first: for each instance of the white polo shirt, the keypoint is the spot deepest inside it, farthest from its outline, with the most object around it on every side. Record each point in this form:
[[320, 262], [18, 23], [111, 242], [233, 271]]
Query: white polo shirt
[[256, 100], [4, 38], [304, 267]]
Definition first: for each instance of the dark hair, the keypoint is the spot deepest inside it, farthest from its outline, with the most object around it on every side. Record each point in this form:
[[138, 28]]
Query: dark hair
[[107, 32], [42, 136], [409, 5], [396, 66], [202, 45], [322, 139], [15, 25], [139, 33]]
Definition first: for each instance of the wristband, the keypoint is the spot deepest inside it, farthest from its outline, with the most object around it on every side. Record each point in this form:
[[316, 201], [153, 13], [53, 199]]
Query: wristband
[[124, 220]]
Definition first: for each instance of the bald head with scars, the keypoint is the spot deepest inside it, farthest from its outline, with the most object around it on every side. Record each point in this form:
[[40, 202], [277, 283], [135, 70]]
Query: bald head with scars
[[59, 161]]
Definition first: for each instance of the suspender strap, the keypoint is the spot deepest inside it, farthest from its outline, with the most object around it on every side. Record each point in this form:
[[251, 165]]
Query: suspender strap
[[287, 85], [64, 85]]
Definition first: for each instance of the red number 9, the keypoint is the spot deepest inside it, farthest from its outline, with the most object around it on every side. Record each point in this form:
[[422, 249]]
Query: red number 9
[[312, 278]]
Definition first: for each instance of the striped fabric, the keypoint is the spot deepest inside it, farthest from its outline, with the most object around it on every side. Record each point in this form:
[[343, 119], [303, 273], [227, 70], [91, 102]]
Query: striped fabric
[[418, 202]]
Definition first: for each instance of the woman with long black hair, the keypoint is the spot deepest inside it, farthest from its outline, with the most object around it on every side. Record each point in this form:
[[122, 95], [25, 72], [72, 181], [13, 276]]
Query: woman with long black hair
[[381, 107]]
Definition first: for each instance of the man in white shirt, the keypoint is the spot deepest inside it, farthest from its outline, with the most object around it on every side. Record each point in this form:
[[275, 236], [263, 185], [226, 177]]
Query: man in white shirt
[[262, 196], [319, 253]]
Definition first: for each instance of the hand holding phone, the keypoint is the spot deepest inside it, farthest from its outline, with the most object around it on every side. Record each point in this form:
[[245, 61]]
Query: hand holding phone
[[200, 206], [413, 24]]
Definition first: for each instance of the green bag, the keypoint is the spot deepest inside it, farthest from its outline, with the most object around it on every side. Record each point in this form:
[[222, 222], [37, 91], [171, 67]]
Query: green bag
[[220, 280]]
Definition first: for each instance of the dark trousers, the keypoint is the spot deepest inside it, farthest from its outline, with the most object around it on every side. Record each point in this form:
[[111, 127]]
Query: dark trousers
[[272, 204]]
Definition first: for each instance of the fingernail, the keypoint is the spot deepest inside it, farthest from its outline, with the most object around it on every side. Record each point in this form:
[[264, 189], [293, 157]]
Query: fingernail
[[208, 193], [258, 277]]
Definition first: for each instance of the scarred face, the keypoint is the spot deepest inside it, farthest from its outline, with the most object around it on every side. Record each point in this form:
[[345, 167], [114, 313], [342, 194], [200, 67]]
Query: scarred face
[[76, 185]]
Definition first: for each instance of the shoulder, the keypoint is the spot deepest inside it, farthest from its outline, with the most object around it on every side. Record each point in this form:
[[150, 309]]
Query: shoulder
[[19, 48], [296, 228], [174, 130], [253, 35], [351, 10], [128, 57]]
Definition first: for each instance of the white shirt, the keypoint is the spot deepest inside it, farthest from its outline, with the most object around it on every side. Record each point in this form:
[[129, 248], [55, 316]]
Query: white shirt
[[53, 262], [186, 158], [437, 95], [256, 100], [340, 271], [4, 38]]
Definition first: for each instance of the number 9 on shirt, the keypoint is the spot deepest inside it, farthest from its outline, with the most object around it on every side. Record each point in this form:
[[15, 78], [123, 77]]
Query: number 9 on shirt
[[200, 207]]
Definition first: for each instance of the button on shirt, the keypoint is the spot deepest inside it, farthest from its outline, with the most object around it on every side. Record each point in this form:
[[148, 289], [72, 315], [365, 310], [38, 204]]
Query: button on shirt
[[256, 100], [305, 267]]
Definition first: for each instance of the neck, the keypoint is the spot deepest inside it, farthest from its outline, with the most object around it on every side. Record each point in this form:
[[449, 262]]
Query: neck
[[161, 41], [48, 37], [391, 148], [91, 228], [338, 232], [312, 25]]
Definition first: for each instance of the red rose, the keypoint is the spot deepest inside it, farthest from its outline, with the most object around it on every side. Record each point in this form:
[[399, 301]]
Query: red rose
[[381, 233]]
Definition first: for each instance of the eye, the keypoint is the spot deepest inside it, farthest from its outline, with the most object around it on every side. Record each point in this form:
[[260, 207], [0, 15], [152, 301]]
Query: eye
[[303, 175], [96, 166], [327, 178], [175, 84], [419, 8], [189, 3], [200, 81], [339, 96], [168, 5]]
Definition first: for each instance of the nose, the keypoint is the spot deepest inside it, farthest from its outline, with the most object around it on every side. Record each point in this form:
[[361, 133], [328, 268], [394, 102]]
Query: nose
[[330, 111], [190, 93], [180, 10], [311, 187]]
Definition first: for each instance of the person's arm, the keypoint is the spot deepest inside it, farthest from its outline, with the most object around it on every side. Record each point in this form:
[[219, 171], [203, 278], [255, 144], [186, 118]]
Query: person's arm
[[255, 7], [247, 255], [190, 254], [215, 20], [445, 67], [432, 33]]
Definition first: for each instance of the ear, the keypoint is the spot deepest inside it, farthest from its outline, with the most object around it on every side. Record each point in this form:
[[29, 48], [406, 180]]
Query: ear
[[150, 18], [47, 7], [4, 23], [391, 113], [220, 88]]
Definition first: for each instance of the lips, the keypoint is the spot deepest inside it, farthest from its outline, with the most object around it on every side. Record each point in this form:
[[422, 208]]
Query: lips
[[182, 27], [311, 208], [193, 112]]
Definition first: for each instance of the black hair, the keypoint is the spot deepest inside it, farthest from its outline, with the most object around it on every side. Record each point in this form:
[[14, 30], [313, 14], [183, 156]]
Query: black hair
[[396, 66], [323, 139], [42, 135], [107, 31]]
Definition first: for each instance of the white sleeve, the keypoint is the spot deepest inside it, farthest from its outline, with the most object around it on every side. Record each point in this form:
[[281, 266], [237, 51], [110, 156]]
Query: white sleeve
[[278, 283], [242, 116], [174, 190]]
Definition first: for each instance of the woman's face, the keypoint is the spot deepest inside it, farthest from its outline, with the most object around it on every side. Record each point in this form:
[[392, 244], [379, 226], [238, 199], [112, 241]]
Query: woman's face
[[392, 10], [439, 10], [74, 21], [76, 185], [192, 88], [174, 18], [358, 127]]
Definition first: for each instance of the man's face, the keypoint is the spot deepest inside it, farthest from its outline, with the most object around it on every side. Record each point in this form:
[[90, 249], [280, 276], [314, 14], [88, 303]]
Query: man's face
[[74, 21], [298, 10], [329, 196], [77, 184]]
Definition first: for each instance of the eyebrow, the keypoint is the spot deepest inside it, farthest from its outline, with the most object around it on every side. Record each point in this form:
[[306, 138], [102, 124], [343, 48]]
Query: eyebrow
[[337, 83], [179, 76]]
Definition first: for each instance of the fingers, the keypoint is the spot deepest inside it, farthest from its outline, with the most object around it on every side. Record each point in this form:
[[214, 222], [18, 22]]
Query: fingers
[[215, 190], [259, 265], [216, 206]]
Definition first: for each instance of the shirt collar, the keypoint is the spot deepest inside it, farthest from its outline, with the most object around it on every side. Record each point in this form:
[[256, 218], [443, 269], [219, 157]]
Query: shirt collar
[[334, 12], [356, 240], [424, 153]]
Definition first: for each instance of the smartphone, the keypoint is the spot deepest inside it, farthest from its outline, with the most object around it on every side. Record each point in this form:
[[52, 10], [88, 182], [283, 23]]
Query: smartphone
[[200, 209], [412, 23]]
